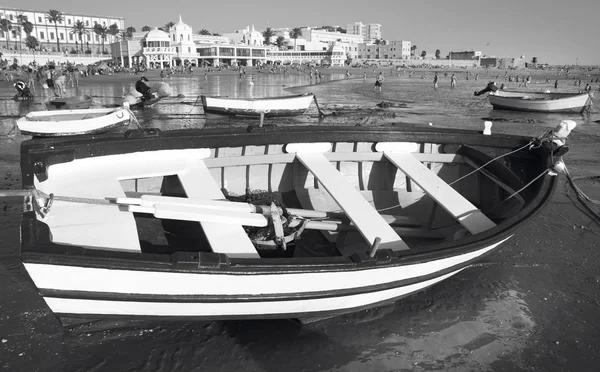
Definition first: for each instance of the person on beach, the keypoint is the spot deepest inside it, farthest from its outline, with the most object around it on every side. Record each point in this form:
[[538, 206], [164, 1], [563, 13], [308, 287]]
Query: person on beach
[[435, 80], [476, 77], [61, 84], [378, 82], [365, 75], [453, 81], [556, 84], [49, 80], [142, 87]]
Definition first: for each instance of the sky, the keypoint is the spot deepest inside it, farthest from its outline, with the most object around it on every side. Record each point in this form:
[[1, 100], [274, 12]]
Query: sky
[[556, 32]]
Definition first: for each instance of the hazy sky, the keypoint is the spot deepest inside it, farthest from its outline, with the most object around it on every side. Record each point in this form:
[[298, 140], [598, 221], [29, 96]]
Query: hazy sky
[[556, 32]]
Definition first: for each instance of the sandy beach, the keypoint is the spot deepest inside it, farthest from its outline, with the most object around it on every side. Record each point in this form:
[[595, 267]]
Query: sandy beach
[[531, 307]]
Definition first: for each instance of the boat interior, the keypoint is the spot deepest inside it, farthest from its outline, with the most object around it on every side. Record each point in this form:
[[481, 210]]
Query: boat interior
[[288, 200]]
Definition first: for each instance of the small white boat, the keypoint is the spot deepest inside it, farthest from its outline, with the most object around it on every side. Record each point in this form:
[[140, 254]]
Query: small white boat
[[177, 225], [540, 101], [269, 106], [73, 122]]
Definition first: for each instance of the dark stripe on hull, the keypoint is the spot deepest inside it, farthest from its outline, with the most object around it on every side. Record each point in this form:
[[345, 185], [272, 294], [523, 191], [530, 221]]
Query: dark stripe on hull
[[112, 296], [308, 314], [510, 108], [253, 113]]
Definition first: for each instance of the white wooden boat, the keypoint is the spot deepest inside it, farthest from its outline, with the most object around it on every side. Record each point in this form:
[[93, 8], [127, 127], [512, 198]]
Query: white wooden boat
[[540, 101], [73, 122], [269, 106], [163, 226]]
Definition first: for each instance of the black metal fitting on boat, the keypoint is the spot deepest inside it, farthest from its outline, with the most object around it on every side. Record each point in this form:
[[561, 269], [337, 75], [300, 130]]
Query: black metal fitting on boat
[[147, 132]]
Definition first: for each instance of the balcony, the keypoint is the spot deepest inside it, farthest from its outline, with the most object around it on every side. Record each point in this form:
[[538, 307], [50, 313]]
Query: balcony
[[158, 50]]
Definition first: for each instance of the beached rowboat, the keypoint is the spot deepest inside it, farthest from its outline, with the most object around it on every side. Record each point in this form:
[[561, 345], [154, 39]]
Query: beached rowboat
[[72, 122], [269, 106], [174, 225], [70, 103], [540, 101]]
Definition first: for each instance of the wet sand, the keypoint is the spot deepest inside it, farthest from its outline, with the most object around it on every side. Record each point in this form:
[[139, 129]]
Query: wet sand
[[530, 307]]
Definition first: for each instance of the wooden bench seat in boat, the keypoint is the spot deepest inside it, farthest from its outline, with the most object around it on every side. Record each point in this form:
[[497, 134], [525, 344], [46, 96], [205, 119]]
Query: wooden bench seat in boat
[[108, 227], [367, 220], [469, 216]]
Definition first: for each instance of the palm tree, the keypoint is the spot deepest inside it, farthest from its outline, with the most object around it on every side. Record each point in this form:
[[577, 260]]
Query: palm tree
[[79, 30], [295, 34], [167, 27], [27, 28], [6, 26], [204, 32], [55, 17], [129, 32], [32, 43], [437, 54], [423, 54], [280, 41], [413, 49], [114, 30], [101, 31], [268, 34], [146, 28]]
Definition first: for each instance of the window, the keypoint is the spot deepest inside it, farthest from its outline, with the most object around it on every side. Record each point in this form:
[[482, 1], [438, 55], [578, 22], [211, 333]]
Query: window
[[173, 37], [71, 37], [87, 23], [69, 21], [189, 50], [97, 38], [62, 36], [42, 36], [51, 35], [88, 37], [11, 17], [39, 19]]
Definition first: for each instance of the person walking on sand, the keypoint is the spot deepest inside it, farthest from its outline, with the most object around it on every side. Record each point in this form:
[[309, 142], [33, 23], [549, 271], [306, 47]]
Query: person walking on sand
[[435, 80], [365, 75], [453, 81], [378, 82], [556, 84]]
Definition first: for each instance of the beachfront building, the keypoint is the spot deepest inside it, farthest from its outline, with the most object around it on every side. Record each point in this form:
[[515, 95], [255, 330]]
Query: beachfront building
[[468, 55], [182, 41], [369, 31], [47, 33], [248, 36], [386, 49], [318, 39], [151, 49]]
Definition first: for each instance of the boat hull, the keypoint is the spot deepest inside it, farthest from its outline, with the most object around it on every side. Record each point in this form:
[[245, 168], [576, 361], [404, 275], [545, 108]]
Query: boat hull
[[72, 122], [540, 102], [270, 107], [83, 280]]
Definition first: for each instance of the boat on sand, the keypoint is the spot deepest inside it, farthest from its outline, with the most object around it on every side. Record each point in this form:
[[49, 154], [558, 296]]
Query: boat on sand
[[73, 122], [269, 106], [270, 222], [541, 101]]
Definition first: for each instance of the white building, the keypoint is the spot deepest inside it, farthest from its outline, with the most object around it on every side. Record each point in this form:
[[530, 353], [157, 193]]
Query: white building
[[183, 42], [387, 49], [48, 33], [369, 31], [248, 36]]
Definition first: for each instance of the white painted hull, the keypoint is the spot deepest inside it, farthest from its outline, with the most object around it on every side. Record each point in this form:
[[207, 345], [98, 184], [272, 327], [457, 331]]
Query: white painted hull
[[95, 291], [273, 106], [72, 122], [539, 102]]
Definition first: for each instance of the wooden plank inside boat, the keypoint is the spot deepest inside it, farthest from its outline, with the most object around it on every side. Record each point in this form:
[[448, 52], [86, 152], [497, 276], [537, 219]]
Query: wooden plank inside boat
[[368, 221], [232, 240], [454, 203]]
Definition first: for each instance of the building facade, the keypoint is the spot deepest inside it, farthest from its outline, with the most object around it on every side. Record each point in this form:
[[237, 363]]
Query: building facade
[[388, 49], [369, 31], [47, 33]]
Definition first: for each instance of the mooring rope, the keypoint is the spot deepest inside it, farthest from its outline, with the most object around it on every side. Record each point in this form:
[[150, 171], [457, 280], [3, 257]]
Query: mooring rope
[[582, 197]]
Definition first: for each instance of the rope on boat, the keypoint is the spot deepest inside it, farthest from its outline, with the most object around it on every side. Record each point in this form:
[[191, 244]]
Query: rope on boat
[[582, 197], [321, 112]]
